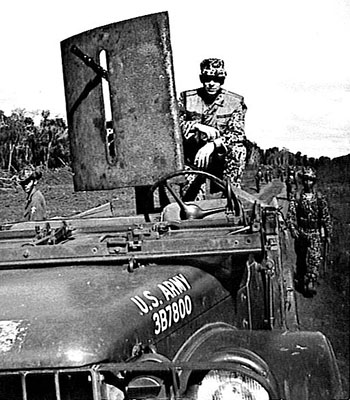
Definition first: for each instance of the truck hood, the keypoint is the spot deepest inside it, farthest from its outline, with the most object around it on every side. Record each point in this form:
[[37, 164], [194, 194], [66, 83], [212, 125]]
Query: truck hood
[[71, 316]]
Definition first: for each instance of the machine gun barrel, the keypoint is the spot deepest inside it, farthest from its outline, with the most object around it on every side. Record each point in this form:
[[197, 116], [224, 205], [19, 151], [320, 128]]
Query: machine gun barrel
[[89, 61]]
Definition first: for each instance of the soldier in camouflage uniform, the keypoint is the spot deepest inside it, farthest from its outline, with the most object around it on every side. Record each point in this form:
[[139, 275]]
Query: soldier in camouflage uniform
[[309, 221], [212, 122]]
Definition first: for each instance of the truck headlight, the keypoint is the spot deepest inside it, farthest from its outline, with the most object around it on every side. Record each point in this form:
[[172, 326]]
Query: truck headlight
[[230, 385], [144, 387]]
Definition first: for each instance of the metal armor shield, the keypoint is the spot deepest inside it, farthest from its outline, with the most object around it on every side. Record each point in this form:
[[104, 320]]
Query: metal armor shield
[[121, 104]]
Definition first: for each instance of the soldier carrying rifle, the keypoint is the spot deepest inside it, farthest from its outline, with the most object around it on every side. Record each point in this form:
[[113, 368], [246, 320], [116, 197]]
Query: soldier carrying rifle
[[310, 224]]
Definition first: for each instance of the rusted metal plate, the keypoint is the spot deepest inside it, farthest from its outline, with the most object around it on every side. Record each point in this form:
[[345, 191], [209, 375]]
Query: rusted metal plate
[[140, 140]]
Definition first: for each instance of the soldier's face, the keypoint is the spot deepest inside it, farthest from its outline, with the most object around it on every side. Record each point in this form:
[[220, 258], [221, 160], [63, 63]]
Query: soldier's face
[[212, 84]]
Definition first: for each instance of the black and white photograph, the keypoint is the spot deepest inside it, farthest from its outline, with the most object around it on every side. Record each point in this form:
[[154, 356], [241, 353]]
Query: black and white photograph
[[174, 200]]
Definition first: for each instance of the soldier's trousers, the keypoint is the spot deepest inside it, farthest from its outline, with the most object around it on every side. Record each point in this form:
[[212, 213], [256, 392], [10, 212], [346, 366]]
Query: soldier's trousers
[[230, 165], [308, 248], [235, 160]]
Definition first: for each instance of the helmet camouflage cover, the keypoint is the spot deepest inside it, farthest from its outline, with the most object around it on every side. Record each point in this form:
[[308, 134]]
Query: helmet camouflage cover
[[213, 67]]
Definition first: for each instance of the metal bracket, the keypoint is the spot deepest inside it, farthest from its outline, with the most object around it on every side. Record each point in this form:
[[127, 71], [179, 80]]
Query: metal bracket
[[131, 241]]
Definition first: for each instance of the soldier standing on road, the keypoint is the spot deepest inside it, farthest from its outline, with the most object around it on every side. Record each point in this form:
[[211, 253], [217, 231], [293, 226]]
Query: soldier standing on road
[[268, 174], [309, 221], [280, 173], [212, 121], [290, 181], [35, 207], [258, 178]]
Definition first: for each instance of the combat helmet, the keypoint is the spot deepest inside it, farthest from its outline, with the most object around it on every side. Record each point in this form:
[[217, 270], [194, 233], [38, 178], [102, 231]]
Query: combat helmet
[[27, 174]]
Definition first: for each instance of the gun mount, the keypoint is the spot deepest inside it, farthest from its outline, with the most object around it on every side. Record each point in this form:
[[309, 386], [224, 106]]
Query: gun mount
[[187, 301]]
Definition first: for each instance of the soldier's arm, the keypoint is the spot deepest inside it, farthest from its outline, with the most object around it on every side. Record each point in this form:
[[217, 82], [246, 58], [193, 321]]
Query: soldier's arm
[[326, 220], [187, 127]]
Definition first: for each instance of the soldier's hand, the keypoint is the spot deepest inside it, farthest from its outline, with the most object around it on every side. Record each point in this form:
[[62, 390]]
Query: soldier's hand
[[210, 133], [203, 155], [295, 233]]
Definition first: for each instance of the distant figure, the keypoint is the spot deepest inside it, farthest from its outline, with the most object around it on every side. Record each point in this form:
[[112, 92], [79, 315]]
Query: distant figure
[[212, 122], [280, 173], [258, 179], [268, 174], [309, 221], [35, 207], [290, 181]]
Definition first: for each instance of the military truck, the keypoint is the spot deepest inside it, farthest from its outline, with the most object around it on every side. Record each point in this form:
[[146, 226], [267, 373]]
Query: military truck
[[173, 300]]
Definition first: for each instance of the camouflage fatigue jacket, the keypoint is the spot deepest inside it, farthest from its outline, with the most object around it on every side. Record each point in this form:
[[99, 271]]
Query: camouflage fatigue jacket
[[309, 214], [226, 114]]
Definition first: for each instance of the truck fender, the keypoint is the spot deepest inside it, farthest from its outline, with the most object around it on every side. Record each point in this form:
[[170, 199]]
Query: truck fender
[[293, 365]]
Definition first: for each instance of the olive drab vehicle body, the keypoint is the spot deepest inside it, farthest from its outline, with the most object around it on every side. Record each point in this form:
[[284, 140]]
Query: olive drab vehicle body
[[179, 301]]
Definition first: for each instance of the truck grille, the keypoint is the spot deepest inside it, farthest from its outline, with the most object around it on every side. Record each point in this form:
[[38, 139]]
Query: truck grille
[[161, 380], [48, 385]]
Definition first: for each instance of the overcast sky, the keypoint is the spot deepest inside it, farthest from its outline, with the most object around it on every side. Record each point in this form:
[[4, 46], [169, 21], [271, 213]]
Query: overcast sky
[[289, 59]]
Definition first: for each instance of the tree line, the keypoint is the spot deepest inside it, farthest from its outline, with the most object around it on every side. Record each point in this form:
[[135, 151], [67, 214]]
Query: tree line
[[46, 144], [24, 142], [284, 158]]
